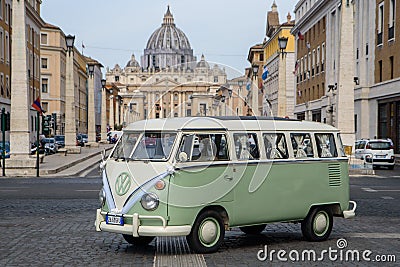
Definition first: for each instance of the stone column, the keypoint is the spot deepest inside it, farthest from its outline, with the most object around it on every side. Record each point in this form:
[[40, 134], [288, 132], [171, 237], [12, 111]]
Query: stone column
[[117, 117], [281, 109], [20, 100], [104, 115], [91, 113], [70, 112], [172, 106], [180, 104], [161, 105], [345, 86], [112, 122]]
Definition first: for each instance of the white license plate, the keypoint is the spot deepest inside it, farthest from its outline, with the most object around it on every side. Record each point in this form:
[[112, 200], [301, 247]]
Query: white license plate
[[380, 156], [114, 219]]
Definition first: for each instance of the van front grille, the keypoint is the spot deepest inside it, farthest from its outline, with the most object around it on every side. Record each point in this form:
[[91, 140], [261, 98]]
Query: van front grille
[[334, 174]]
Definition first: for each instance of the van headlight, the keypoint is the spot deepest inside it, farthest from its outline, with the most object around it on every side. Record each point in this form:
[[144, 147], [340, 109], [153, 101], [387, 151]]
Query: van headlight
[[102, 197], [149, 201]]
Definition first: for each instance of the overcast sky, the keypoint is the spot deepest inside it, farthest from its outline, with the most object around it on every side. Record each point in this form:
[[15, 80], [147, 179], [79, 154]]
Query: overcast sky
[[112, 30]]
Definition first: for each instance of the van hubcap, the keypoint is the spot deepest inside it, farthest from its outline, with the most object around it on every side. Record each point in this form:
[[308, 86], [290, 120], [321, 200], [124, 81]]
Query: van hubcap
[[321, 222], [209, 232]]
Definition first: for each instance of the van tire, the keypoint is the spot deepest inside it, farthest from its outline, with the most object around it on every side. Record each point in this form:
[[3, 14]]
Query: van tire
[[317, 226], [207, 233], [253, 230], [138, 241]]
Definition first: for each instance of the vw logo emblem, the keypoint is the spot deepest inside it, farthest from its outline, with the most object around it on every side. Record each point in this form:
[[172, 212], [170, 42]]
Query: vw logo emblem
[[122, 184]]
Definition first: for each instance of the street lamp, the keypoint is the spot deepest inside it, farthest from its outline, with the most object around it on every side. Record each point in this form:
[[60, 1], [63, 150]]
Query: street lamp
[[255, 68], [282, 42], [69, 41], [91, 69]]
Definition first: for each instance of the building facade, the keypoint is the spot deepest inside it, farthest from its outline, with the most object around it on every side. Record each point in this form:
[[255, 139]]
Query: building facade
[[377, 76], [170, 82], [279, 91], [53, 80], [325, 55]]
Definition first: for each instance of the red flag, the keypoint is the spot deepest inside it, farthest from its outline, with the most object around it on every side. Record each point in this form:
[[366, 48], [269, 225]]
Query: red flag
[[36, 105], [301, 37]]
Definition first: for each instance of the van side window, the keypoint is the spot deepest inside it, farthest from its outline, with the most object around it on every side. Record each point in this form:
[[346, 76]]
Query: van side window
[[302, 145], [203, 147], [275, 146], [326, 145], [246, 146]]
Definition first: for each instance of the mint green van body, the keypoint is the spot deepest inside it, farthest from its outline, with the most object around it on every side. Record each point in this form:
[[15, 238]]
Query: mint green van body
[[200, 176]]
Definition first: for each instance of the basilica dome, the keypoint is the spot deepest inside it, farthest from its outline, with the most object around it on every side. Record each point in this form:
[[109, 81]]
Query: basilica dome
[[168, 36], [132, 63], [168, 46]]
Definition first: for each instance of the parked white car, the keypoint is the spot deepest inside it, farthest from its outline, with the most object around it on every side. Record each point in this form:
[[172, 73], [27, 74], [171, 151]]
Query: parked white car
[[378, 152]]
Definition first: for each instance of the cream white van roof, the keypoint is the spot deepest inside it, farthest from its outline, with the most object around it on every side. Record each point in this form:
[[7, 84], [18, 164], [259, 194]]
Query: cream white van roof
[[233, 123]]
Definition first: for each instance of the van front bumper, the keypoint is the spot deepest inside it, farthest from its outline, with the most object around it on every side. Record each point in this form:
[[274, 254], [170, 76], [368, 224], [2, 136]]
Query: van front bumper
[[348, 214], [135, 229]]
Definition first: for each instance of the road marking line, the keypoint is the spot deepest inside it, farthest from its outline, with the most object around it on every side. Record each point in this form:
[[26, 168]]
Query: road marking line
[[367, 189], [13, 187], [385, 197], [392, 190], [8, 190], [375, 235], [87, 190], [174, 251]]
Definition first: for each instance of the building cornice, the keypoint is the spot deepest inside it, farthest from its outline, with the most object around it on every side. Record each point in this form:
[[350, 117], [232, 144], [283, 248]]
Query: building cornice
[[314, 11]]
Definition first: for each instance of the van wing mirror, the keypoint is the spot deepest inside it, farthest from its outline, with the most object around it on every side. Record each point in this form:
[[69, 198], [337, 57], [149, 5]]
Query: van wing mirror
[[183, 157]]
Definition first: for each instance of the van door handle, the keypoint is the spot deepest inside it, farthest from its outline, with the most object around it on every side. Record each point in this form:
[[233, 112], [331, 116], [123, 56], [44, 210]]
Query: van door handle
[[227, 177]]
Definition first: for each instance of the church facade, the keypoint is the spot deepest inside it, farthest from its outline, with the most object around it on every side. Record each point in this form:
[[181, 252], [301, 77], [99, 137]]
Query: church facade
[[169, 81]]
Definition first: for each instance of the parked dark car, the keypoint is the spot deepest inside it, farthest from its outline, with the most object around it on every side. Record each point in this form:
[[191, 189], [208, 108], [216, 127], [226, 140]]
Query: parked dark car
[[60, 140], [79, 140]]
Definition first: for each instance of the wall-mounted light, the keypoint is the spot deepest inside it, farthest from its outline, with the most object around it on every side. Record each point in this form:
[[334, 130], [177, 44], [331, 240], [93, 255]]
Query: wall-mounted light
[[356, 81], [332, 87]]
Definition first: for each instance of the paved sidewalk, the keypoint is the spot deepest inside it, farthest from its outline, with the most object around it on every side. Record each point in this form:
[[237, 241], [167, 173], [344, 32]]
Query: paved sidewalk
[[72, 164], [61, 165]]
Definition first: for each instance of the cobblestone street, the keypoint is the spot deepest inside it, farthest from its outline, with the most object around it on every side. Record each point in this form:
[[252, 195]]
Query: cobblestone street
[[59, 230]]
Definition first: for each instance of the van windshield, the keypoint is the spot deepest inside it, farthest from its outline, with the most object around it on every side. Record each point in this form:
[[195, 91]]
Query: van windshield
[[154, 146]]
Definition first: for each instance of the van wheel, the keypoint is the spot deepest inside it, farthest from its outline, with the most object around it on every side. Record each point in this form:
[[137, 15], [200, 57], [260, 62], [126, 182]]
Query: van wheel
[[253, 230], [317, 226], [207, 233], [138, 241]]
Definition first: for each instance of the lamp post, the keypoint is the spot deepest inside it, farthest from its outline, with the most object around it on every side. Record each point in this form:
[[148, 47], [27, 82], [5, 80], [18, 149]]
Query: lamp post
[[103, 112], [70, 115], [254, 97], [91, 109], [281, 110]]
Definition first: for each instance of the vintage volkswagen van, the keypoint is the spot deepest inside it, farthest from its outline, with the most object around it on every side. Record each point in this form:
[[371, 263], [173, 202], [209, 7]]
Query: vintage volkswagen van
[[200, 176]]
